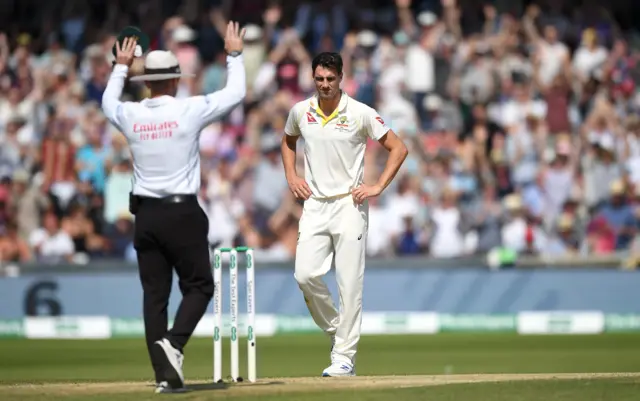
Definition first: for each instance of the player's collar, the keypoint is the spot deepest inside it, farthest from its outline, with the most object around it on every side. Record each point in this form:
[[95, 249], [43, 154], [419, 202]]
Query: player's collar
[[341, 106]]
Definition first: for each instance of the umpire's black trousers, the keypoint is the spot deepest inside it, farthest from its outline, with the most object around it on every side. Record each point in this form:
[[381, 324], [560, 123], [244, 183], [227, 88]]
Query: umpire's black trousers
[[172, 233]]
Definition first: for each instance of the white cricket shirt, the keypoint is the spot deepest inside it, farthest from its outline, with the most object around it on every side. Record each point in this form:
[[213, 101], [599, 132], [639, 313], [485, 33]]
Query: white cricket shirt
[[334, 145], [163, 132]]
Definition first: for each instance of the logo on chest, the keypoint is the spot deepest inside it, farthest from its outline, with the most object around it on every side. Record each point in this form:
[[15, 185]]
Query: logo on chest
[[343, 124]]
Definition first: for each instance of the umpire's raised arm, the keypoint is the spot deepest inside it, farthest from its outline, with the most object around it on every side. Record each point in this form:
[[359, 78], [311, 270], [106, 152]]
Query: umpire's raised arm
[[111, 104], [214, 105]]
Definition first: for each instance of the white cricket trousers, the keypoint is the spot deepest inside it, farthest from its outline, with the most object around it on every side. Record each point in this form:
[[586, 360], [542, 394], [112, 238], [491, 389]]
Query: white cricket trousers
[[327, 229]]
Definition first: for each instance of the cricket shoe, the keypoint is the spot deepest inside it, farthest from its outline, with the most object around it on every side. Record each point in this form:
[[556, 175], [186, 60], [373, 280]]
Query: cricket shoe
[[162, 387], [165, 388], [171, 360], [339, 369]]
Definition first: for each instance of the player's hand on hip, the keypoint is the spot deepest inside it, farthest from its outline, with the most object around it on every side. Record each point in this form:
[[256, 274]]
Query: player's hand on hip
[[364, 192], [299, 188], [126, 53], [234, 38]]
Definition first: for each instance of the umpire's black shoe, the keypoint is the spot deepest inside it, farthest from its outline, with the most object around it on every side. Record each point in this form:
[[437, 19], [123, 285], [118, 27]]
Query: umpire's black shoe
[[162, 387], [165, 388], [171, 360]]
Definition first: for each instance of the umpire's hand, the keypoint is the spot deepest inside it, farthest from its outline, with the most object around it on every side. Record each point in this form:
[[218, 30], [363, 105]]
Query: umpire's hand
[[234, 38], [126, 53]]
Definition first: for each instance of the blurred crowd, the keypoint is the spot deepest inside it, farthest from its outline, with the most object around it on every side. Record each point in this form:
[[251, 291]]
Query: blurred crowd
[[521, 123]]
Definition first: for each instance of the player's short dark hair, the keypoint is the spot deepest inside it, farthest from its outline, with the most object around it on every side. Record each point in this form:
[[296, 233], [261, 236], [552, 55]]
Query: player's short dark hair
[[328, 60]]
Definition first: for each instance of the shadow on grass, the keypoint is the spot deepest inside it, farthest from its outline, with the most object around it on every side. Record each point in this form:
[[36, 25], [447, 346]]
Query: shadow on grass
[[223, 386]]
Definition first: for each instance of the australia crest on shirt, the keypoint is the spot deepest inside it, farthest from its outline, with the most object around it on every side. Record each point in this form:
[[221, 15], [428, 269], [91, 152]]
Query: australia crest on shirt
[[343, 124]]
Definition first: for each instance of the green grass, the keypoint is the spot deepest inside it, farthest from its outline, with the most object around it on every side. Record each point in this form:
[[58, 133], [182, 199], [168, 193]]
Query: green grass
[[43, 361], [298, 356], [569, 390]]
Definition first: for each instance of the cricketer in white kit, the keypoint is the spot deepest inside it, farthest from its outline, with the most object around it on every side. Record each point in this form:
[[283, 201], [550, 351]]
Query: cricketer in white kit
[[334, 220]]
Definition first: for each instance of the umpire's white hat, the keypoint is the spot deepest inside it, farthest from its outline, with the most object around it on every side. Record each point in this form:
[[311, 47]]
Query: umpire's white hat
[[160, 65]]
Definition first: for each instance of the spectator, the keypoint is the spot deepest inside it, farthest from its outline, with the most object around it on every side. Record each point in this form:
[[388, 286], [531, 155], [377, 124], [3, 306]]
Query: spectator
[[519, 232], [118, 185], [188, 57], [91, 160], [411, 240], [420, 77], [618, 215], [600, 166], [50, 243], [270, 186], [379, 232], [483, 221], [563, 241], [120, 235], [601, 240], [79, 226], [27, 203], [552, 55], [12, 247], [447, 239], [222, 202], [590, 57], [557, 178], [534, 111], [58, 161]]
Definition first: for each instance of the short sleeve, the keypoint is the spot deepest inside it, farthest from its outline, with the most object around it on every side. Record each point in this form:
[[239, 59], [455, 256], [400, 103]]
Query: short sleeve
[[292, 127], [374, 126]]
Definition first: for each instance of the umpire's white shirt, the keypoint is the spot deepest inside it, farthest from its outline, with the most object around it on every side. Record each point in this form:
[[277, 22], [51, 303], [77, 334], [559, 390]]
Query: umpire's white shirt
[[163, 132], [334, 145]]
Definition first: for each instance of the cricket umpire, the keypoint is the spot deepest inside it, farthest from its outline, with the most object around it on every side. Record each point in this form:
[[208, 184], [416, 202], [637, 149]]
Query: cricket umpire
[[171, 229]]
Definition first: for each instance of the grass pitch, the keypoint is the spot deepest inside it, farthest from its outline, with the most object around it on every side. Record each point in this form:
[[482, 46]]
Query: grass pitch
[[443, 367]]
